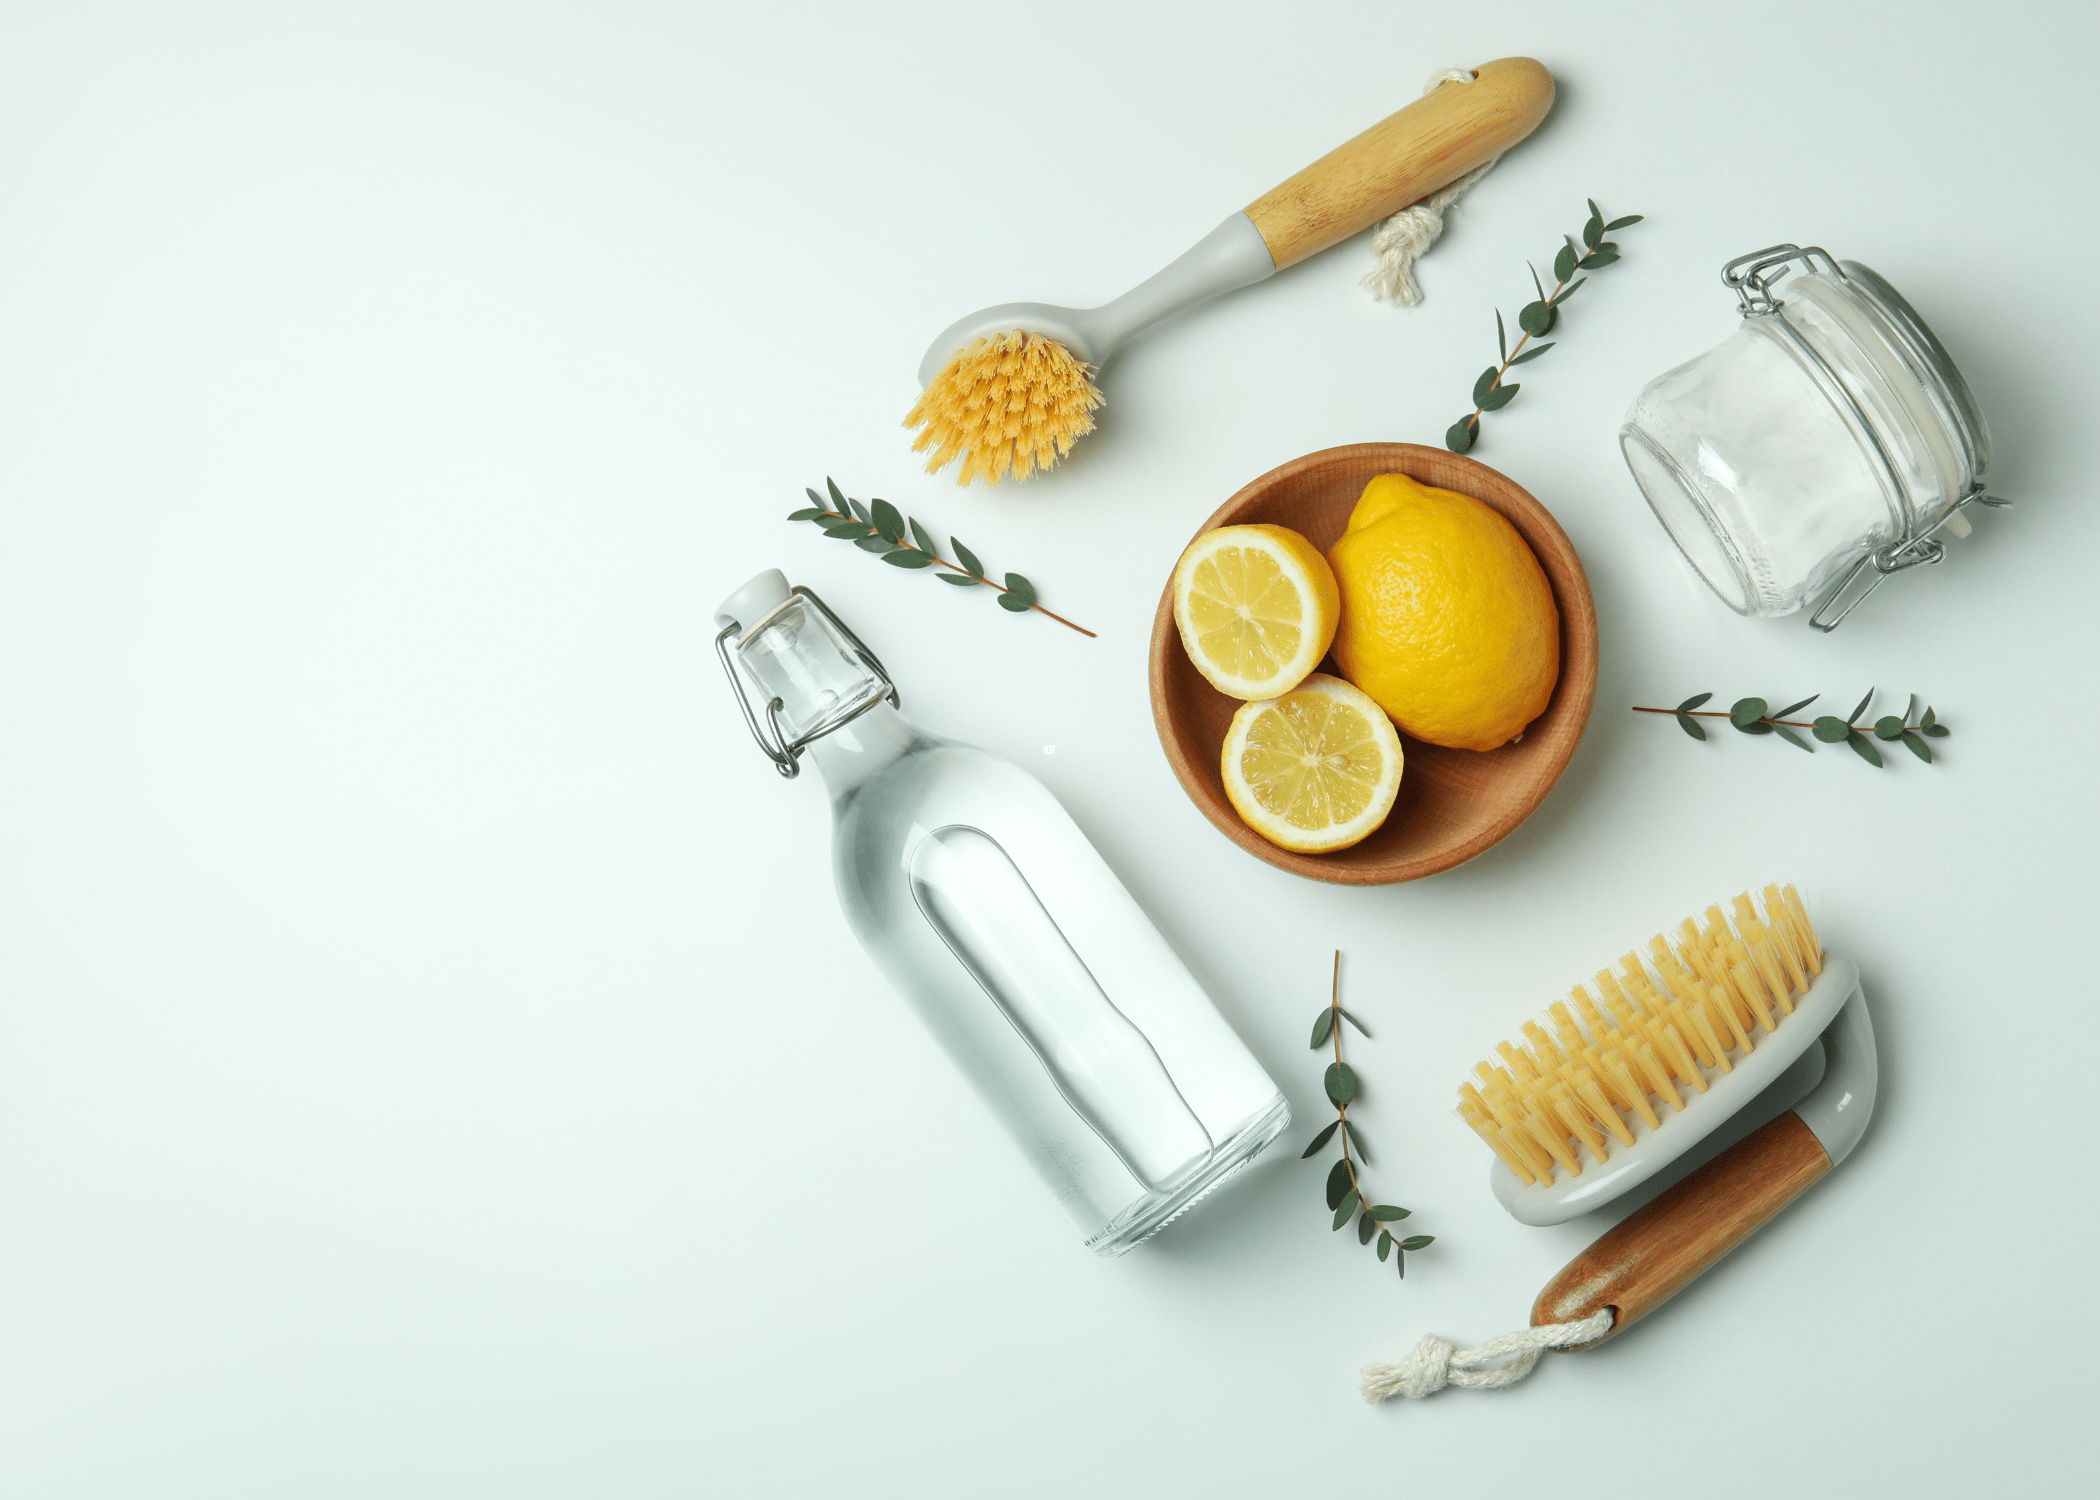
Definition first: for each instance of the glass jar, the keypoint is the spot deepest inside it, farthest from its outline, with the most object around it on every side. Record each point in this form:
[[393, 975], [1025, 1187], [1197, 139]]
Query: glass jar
[[1824, 445]]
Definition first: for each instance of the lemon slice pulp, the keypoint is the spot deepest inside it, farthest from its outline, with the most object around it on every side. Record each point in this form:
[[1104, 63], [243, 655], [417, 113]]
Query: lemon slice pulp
[[1314, 770], [1257, 608]]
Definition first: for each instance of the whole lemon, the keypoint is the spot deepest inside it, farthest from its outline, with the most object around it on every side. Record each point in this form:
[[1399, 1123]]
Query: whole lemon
[[1447, 619]]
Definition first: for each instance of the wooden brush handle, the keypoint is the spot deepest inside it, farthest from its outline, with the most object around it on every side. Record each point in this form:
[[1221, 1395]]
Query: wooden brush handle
[[1403, 158], [1655, 1253]]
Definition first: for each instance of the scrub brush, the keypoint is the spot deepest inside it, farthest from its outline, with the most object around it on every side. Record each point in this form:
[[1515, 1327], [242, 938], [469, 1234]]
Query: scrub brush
[[1009, 390], [1627, 1076]]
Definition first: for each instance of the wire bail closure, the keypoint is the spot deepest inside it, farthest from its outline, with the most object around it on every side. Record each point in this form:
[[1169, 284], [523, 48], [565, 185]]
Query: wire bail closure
[[1752, 278], [785, 753]]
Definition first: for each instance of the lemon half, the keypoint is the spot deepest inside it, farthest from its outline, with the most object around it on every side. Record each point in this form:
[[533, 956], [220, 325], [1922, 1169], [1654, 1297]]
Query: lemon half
[[1257, 608], [1315, 769]]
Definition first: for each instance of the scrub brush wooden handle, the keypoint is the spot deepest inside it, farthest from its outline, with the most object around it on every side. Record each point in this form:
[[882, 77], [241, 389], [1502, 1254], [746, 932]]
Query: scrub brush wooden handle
[[1405, 157], [1657, 1251]]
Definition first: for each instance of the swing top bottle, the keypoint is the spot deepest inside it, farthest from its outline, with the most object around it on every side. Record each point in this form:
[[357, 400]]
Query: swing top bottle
[[991, 913]]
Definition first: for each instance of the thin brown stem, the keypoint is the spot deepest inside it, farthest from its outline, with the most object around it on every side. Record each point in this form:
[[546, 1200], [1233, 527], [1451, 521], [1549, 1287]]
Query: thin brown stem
[[1503, 368], [988, 583], [1708, 713]]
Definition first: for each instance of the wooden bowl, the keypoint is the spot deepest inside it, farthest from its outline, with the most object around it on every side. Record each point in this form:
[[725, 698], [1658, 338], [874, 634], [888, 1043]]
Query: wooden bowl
[[1453, 803]]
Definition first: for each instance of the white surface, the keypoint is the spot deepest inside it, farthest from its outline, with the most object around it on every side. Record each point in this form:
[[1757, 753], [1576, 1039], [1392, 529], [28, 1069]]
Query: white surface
[[431, 1062]]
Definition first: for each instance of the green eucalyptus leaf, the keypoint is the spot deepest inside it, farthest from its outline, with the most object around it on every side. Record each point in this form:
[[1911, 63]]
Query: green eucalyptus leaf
[[1366, 1226], [924, 538], [1865, 747], [885, 518], [1622, 223], [966, 557], [1568, 291], [1691, 703], [1319, 1140], [1532, 353], [874, 544], [907, 557], [1356, 1139], [1690, 725], [1795, 708], [1536, 317], [1352, 1020], [1400, 1261], [1595, 212], [1830, 729], [960, 580], [1792, 738], [807, 513], [1853, 717], [838, 496], [1340, 1083], [1345, 1208], [1338, 1183], [1386, 1213], [1418, 1242], [1385, 1244], [1593, 231], [1484, 387], [1758, 727], [814, 498], [1500, 397], [1929, 720], [862, 511], [1459, 436], [846, 528], [1534, 270], [1564, 263], [1322, 1029], [1747, 711], [1939, 731], [1888, 727], [1597, 260], [1501, 337], [1918, 747], [1020, 590]]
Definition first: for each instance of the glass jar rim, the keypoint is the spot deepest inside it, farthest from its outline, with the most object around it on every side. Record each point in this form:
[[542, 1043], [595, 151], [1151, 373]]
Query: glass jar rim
[[1931, 356]]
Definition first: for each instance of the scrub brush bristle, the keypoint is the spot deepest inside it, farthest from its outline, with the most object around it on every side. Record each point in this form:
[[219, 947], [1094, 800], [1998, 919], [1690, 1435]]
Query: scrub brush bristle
[[1648, 1036], [1007, 405]]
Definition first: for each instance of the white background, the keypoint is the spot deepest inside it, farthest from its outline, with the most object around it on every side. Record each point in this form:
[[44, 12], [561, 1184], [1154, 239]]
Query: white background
[[432, 1062]]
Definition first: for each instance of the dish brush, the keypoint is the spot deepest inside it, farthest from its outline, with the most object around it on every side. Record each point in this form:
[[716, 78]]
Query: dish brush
[[1010, 389], [1629, 1073]]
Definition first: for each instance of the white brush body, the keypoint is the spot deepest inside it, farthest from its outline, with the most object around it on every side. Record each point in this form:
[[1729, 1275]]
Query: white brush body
[[1231, 256], [1624, 1167]]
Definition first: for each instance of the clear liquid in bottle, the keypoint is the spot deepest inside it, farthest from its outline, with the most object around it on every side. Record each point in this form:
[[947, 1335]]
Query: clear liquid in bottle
[[991, 913]]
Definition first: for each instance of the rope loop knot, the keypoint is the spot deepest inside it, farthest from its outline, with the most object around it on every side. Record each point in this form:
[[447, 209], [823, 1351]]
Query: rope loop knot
[[1406, 237], [1437, 1362]]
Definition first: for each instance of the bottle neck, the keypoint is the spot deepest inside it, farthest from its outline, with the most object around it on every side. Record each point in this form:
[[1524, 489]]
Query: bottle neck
[[852, 755]]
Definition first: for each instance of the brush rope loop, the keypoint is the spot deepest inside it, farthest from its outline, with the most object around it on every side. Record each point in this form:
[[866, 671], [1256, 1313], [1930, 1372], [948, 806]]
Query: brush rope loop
[[1406, 237], [1437, 1362]]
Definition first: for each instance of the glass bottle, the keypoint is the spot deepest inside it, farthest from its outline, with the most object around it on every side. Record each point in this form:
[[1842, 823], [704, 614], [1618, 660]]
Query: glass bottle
[[988, 910]]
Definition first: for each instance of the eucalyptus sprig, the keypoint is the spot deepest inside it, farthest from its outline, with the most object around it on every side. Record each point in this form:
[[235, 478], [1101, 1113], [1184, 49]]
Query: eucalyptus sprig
[[1345, 1191], [1536, 320], [1755, 716], [879, 527]]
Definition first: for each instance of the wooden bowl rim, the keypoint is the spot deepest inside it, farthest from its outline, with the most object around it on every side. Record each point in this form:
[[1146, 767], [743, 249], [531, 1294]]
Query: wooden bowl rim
[[1574, 694]]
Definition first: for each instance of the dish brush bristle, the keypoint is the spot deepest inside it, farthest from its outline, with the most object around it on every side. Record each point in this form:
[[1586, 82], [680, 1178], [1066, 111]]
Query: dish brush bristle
[[1645, 1039], [1007, 405]]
